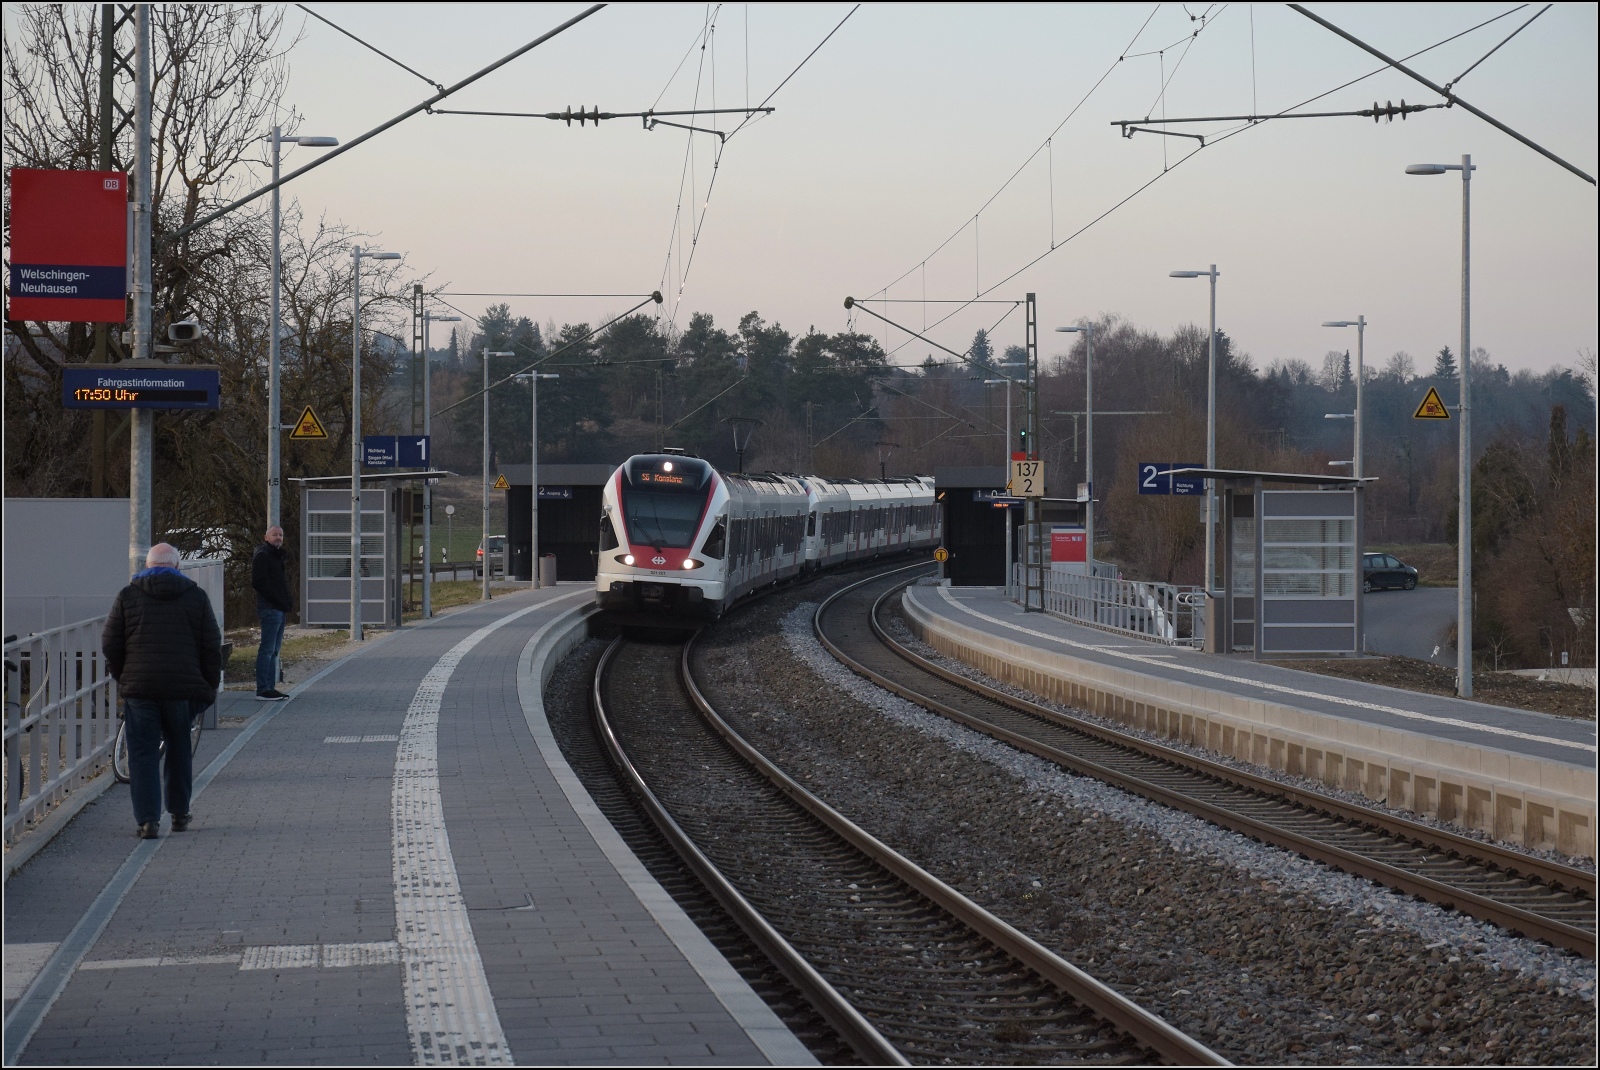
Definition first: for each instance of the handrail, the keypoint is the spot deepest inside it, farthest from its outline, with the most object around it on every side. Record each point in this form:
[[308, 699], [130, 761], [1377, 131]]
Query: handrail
[[1161, 612], [61, 713]]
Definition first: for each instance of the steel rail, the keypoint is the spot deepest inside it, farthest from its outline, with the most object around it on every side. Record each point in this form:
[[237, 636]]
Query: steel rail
[[1138, 1023], [859, 1033], [1487, 908]]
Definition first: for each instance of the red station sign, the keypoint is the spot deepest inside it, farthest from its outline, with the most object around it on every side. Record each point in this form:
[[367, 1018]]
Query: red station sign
[[69, 246], [1068, 545]]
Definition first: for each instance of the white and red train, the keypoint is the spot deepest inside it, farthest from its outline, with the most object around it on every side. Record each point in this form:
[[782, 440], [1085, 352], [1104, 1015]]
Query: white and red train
[[680, 539]]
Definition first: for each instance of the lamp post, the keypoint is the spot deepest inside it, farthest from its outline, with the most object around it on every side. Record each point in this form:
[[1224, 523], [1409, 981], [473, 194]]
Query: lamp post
[[1087, 330], [427, 485], [356, 255], [274, 397], [484, 545], [533, 473], [1464, 447], [1211, 426], [1360, 324]]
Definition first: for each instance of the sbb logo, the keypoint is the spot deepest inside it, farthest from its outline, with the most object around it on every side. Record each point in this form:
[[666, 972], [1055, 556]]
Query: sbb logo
[[658, 560]]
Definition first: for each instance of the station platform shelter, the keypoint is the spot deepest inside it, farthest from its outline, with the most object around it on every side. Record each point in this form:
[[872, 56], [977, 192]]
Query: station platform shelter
[[569, 517], [976, 512]]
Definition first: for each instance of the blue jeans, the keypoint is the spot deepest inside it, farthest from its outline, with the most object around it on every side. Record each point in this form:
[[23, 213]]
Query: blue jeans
[[150, 721], [267, 652]]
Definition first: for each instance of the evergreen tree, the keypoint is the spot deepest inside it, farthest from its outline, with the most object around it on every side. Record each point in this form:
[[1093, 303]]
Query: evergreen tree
[[1345, 378], [982, 350], [1444, 365]]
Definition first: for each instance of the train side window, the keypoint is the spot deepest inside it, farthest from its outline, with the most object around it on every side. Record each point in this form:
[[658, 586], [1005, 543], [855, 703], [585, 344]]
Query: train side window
[[716, 544], [608, 534], [811, 525]]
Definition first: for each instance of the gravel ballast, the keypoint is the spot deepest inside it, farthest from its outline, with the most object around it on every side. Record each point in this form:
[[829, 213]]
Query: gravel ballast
[[1260, 954]]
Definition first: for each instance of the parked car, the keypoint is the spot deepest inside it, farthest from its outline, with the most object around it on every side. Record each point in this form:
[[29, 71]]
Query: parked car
[[497, 556], [1386, 570]]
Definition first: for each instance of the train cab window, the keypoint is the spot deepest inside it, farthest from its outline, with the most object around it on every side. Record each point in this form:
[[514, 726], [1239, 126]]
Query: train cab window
[[608, 534], [716, 544], [663, 499], [811, 525]]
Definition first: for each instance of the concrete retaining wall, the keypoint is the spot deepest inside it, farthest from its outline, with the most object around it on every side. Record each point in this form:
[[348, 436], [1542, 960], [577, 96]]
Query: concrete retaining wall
[[1541, 804]]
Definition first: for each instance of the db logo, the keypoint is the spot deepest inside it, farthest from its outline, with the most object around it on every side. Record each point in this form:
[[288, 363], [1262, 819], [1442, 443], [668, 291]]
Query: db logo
[[112, 183], [658, 560]]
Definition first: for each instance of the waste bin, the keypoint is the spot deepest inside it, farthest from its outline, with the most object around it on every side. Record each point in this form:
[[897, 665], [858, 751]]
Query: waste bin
[[547, 570]]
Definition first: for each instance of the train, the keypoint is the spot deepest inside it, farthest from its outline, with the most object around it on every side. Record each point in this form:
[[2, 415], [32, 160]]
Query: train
[[680, 540]]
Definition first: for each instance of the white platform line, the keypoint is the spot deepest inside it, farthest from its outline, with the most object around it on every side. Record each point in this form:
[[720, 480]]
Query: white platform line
[[1414, 715], [450, 1012], [269, 957]]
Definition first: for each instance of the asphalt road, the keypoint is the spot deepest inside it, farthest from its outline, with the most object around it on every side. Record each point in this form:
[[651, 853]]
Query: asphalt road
[[1412, 623]]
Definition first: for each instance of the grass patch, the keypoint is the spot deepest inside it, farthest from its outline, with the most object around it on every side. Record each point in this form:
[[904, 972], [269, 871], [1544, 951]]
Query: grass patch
[[1434, 561], [447, 594], [242, 665]]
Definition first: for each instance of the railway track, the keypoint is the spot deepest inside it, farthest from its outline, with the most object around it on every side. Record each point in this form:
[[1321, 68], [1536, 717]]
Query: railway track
[[901, 965], [1539, 899]]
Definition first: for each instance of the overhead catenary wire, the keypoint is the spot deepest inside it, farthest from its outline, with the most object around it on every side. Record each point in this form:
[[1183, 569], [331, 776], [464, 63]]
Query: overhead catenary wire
[[1451, 83], [1211, 142], [212, 217], [1449, 95], [371, 46]]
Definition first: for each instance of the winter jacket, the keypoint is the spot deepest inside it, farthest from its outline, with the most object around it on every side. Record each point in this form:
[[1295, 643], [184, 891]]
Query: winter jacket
[[161, 640], [269, 579]]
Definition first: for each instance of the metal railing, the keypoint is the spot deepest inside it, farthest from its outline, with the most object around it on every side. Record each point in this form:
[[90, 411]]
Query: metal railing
[[1160, 612], [61, 718]]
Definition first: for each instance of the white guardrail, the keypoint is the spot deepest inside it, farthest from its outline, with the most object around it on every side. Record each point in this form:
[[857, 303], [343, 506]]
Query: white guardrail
[[1160, 612], [61, 718]]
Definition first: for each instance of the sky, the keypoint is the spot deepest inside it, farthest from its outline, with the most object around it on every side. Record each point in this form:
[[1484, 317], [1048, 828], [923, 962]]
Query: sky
[[905, 124]]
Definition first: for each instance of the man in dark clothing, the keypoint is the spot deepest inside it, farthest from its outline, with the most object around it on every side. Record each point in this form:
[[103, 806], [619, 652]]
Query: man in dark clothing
[[273, 602], [164, 649]]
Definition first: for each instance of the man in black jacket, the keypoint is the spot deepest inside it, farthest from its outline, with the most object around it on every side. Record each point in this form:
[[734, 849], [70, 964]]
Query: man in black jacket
[[164, 649], [273, 603]]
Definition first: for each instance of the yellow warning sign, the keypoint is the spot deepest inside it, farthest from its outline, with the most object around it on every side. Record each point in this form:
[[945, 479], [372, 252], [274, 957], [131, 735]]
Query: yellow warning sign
[[308, 426], [1432, 407], [501, 484]]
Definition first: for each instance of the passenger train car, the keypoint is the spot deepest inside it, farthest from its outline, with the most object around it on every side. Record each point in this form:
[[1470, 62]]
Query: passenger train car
[[680, 539]]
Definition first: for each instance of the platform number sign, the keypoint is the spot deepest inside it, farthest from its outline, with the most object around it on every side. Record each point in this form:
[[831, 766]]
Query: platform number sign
[[1157, 478], [1027, 479]]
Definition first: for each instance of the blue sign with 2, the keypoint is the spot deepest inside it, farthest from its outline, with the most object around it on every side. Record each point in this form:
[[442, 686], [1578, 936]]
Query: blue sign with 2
[[1157, 479]]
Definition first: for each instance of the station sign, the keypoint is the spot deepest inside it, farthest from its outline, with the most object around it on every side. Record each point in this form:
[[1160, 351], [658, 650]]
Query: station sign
[[396, 451], [555, 494], [1155, 478], [1068, 545], [141, 386], [997, 498], [69, 246]]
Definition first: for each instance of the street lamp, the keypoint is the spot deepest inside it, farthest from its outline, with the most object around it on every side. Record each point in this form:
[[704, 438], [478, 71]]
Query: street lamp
[[485, 544], [533, 473], [1464, 447], [274, 400], [1360, 324], [427, 485], [1087, 330], [1211, 426], [356, 255]]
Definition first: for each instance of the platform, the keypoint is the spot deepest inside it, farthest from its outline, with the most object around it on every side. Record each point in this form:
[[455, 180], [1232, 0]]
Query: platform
[[396, 867], [1521, 776]]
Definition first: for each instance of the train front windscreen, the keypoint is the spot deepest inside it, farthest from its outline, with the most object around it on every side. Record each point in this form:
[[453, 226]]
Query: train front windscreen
[[663, 500]]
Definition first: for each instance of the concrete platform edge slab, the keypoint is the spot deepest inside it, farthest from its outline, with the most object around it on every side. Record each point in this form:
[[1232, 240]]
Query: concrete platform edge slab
[[1536, 812], [544, 649]]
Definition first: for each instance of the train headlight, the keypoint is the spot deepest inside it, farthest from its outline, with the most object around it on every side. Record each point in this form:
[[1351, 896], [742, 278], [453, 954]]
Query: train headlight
[[690, 562], [626, 559]]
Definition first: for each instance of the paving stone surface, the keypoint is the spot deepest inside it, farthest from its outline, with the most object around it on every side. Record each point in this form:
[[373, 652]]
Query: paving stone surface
[[291, 849]]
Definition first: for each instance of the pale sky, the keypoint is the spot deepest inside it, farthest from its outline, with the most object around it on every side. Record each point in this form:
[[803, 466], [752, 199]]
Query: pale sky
[[896, 133]]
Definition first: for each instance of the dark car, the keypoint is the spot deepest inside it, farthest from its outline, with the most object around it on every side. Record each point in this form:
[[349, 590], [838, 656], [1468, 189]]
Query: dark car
[[1386, 570]]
